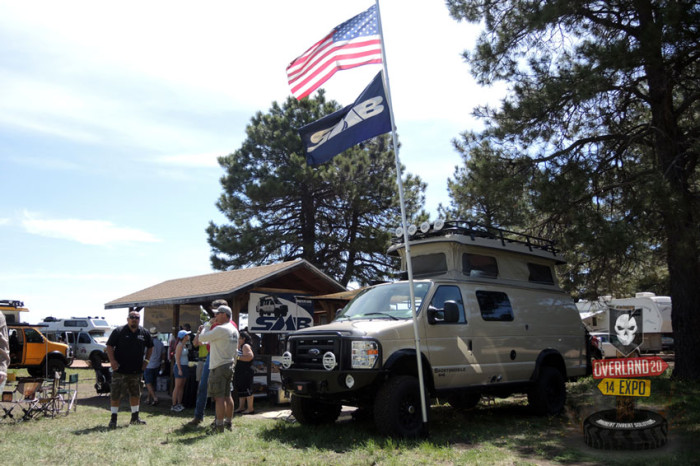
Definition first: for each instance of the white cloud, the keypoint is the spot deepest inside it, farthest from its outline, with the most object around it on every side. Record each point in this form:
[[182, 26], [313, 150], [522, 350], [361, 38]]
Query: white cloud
[[92, 232], [205, 160]]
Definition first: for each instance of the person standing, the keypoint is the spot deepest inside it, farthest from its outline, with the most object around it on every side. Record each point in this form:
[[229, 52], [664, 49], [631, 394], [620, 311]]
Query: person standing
[[126, 348], [204, 374], [181, 369], [223, 343], [244, 374], [4, 351], [151, 373]]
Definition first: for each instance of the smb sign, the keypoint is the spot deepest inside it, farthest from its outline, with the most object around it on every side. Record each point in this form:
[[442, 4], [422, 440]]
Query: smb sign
[[279, 313]]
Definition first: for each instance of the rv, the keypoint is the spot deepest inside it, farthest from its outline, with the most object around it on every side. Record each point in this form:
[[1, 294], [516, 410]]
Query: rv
[[86, 335]]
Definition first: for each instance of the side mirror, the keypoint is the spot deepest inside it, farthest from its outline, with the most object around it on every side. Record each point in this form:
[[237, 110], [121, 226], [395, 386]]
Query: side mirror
[[451, 312], [433, 315]]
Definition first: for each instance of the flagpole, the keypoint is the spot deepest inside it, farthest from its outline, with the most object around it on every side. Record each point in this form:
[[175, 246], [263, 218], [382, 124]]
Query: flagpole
[[409, 265]]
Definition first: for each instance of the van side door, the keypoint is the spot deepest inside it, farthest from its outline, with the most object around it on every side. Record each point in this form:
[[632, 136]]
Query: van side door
[[500, 342], [34, 347], [450, 357]]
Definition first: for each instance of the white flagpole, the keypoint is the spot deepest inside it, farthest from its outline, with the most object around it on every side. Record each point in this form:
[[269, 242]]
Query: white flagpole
[[409, 266]]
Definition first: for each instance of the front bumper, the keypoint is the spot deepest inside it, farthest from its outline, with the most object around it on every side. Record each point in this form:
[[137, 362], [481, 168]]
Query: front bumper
[[307, 382]]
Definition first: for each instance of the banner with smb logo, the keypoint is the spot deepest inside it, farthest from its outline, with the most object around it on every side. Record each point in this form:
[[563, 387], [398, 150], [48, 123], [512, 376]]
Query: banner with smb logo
[[279, 313]]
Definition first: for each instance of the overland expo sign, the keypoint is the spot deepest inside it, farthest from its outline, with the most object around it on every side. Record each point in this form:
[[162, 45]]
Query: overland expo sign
[[625, 387], [629, 367]]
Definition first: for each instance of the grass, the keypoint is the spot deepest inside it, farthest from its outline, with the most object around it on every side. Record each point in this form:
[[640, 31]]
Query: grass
[[496, 432]]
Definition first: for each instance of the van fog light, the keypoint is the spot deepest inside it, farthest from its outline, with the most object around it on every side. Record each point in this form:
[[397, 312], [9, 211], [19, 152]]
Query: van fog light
[[349, 381], [287, 360], [329, 362]]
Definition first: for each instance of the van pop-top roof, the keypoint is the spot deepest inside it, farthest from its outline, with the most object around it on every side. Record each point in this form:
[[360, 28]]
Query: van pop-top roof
[[462, 250]]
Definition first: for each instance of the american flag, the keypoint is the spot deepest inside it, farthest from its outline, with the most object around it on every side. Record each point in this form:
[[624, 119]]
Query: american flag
[[356, 42]]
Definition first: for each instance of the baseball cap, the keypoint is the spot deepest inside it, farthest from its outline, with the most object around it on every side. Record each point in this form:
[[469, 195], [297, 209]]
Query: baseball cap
[[224, 310], [181, 334]]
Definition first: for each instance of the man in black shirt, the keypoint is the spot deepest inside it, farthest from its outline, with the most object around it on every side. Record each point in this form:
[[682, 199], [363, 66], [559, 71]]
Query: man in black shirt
[[126, 347]]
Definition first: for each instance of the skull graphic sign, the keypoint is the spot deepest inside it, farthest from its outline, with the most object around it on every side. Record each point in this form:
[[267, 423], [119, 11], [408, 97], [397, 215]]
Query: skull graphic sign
[[626, 329]]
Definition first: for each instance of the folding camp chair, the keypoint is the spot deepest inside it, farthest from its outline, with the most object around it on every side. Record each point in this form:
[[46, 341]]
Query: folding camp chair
[[8, 397], [50, 399], [27, 400], [68, 390]]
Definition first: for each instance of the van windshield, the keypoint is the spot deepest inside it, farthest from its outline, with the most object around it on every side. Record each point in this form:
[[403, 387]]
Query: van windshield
[[99, 336], [385, 302]]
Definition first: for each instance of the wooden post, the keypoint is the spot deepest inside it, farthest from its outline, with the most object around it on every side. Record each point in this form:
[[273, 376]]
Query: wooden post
[[624, 404]]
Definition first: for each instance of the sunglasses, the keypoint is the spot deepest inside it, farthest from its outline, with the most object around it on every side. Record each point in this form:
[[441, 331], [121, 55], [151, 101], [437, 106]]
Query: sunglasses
[[134, 317]]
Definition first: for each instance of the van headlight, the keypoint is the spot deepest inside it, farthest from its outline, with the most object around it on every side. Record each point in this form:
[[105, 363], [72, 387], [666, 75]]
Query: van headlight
[[364, 354]]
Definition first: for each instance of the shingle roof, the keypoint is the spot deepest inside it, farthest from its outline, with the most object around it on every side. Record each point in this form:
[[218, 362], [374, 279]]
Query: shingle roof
[[298, 274]]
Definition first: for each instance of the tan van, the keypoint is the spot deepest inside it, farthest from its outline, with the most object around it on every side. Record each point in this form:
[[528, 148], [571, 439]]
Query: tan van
[[491, 320]]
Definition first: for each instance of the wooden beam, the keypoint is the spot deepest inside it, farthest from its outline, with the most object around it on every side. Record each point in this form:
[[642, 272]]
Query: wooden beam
[[176, 318]]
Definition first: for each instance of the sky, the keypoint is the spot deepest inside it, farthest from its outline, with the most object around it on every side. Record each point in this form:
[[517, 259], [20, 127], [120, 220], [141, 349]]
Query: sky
[[113, 114]]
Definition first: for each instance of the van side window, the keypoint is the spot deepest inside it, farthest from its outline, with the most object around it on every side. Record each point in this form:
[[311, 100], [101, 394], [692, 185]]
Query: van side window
[[33, 336], [429, 264], [448, 293], [540, 273], [477, 265], [84, 338], [494, 306]]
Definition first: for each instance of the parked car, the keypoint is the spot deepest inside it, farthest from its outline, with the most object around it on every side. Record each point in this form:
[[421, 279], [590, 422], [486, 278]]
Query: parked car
[[30, 349]]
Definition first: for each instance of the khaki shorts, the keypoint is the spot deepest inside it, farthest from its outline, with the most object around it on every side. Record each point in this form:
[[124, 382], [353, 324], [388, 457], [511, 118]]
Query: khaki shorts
[[219, 384], [125, 384]]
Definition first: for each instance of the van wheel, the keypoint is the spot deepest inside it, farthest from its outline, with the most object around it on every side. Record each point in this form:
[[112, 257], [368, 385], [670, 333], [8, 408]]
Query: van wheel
[[308, 411], [464, 400], [646, 431], [547, 396], [397, 408], [55, 365]]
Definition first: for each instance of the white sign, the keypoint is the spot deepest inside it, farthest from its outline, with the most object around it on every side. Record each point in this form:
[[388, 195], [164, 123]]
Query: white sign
[[278, 313]]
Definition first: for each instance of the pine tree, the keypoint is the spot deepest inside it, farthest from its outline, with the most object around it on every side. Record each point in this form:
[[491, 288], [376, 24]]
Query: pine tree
[[338, 216], [602, 114]]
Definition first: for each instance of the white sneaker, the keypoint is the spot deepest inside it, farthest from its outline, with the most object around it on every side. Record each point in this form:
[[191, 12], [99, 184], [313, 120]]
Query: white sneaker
[[179, 408]]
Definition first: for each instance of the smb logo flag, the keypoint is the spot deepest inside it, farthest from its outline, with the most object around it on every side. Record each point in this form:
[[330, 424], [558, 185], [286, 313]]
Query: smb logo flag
[[366, 118]]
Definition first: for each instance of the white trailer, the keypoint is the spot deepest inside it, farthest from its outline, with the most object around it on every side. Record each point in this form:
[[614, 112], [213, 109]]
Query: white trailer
[[656, 315]]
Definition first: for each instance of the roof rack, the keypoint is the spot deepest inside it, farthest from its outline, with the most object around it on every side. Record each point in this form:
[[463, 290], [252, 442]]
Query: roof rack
[[11, 303], [477, 230]]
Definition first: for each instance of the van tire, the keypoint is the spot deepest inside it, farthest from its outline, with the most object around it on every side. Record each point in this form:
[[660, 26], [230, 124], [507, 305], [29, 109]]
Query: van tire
[[652, 433], [55, 365], [397, 408], [547, 396], [309, 411]]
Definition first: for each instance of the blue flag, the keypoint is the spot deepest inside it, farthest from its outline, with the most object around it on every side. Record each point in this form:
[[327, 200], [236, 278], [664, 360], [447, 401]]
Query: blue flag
[[367, 117]]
